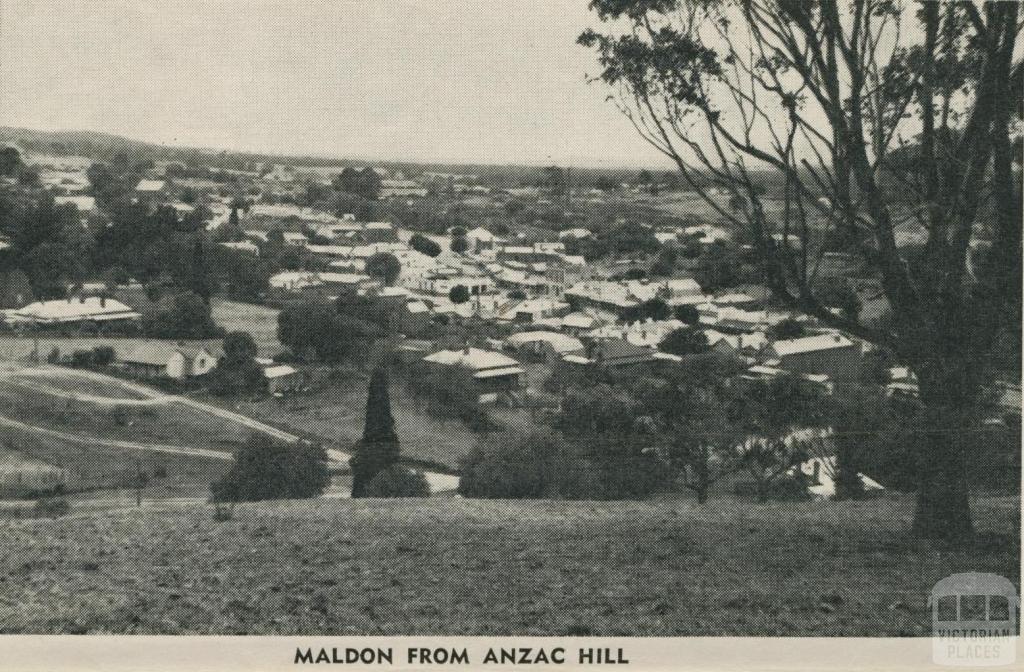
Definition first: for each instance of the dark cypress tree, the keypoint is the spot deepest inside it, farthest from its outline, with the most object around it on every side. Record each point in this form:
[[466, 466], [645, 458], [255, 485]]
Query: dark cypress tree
[[378, 449]]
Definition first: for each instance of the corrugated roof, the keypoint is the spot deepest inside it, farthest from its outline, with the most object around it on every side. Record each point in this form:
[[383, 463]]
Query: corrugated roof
[[472, 358], [150, 185], [559, 342], [279, 371], [158, 354], [811, 344]]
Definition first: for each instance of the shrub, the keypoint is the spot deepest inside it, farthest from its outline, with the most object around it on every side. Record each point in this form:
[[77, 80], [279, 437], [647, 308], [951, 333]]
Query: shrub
[[264, 469], [458, 294], [449, 392], [51, 508], [534, 467], [54, 356], [81, 358], [397, 481], [223, 512], [102, 355], [425, 245]]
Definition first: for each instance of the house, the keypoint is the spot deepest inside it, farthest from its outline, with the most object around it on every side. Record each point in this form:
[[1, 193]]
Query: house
[[607, 296], [647, 333], [295, 281], [168, 360], [282, 378], [532, 310], [576, 234], [831, 354], [617, 353], [480, 239], [493, 372], [578, 323], [243, 246], [342, 282], [736, 344], [548, 345], [683, 292], [295, 239], [150, 191], [74, 310], [85, 205]]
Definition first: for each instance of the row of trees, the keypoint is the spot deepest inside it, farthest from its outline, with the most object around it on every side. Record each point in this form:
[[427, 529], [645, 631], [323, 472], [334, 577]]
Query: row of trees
[[629, 435]]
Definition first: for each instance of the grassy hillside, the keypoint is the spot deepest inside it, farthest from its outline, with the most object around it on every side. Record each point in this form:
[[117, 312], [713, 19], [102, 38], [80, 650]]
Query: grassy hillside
[[259, 321], [480, 567], [90, 466], [336, 412], [161, 423]]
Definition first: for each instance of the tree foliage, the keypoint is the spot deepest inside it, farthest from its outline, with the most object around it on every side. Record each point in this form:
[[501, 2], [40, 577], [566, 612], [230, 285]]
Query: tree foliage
[[264, 469], [384, 266], [378, 450], [823, 94]]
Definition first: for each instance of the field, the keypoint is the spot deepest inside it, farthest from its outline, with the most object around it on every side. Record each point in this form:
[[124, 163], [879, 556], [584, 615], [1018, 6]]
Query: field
[[155, 423], [101, 433], [450, 566], [259, 321], [337, 414], [92, 466]]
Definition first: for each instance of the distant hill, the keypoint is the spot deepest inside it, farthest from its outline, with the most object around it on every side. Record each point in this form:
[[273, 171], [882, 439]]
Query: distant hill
[[105, 146]]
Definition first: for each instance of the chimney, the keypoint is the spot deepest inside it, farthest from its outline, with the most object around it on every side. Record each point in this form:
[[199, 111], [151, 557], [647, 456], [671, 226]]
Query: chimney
[[103, 300], [466, 350], [817, 471]]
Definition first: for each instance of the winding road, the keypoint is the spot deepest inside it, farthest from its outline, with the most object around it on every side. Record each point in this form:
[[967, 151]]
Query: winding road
[[16, 374]]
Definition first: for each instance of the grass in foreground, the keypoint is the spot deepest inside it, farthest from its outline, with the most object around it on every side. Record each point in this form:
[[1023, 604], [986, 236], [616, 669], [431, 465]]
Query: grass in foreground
[[491, 567]]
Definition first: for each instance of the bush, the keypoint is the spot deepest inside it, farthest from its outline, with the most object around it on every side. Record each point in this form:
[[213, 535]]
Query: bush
[[102, 355], [51, 508], [535, 467], [264, 469], [81, 358], [223, 512], [449, 392], [397, 481], [425, 245], [183, 315]]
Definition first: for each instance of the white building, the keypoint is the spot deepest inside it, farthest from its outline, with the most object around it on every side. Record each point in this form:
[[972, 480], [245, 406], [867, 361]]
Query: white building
[[77, 309]]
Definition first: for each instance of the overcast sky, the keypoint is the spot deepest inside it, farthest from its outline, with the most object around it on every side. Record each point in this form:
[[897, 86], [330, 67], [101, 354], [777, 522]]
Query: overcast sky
[[472, 80]]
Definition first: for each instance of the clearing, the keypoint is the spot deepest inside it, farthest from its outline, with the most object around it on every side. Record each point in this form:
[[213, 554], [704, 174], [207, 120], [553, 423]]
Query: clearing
[[455, 567], [260, 321], [336, 413]]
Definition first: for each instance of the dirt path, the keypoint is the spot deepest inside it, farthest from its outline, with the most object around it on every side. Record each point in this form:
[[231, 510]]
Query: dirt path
[[438, 482], [114, 443]]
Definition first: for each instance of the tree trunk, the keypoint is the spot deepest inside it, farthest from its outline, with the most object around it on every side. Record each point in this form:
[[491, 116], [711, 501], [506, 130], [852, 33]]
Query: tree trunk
[[943, 497], [762, 490], [703, 475]]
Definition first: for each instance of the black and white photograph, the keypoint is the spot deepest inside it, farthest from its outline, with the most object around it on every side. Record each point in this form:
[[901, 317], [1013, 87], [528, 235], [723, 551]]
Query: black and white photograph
[[576, 319]]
